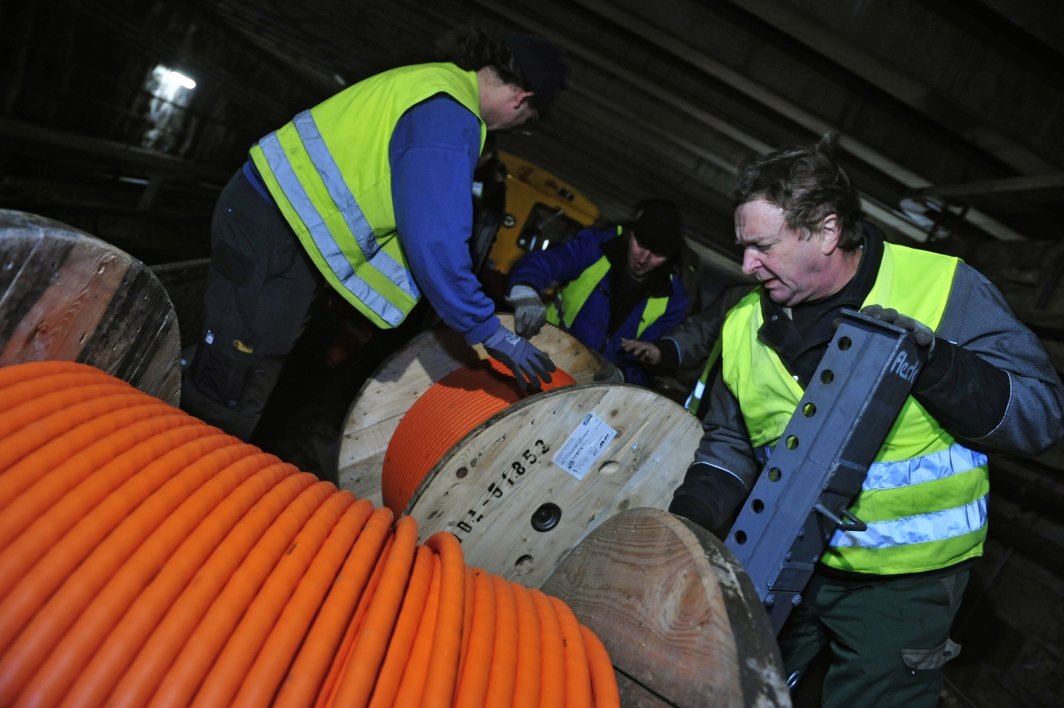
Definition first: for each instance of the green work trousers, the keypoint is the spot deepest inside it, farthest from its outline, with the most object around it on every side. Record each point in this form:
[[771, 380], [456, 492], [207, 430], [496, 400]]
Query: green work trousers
[[889, 638]]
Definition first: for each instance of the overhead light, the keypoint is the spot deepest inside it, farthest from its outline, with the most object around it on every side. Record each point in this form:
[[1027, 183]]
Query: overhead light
[[168, 84], [182, 80], [339, 79]]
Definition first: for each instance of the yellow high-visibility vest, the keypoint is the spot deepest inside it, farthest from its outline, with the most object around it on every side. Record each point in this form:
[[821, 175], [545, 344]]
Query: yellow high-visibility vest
[[329, 172]]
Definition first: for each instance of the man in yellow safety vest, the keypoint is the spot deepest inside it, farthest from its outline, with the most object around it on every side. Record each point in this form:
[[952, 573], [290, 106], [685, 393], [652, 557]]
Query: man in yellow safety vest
[[368, 192], [883, 599], [615, 284]]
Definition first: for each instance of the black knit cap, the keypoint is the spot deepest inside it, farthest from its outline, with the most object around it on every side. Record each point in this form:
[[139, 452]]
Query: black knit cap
[[543, 65], [659, 228]]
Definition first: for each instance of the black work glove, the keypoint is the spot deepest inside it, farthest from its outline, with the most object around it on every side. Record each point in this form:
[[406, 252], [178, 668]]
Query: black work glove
[[922, 334], [695, 510], [521, 357]]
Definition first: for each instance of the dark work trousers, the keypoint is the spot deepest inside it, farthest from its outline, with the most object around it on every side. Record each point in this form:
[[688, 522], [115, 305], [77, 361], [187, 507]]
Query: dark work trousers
[[889, 638], [260, 287]]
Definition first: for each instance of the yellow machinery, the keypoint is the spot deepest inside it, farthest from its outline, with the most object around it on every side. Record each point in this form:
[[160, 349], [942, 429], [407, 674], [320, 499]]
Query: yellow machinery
[[540, 209]]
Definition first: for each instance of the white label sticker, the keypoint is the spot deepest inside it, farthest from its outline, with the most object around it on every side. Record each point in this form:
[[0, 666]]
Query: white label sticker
[[584, 446]]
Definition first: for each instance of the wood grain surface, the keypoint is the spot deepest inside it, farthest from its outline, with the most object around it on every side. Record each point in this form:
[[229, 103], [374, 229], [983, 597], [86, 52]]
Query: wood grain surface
[[402, 378], [488, 487], [678, 615], [65, 295], [636, 695]]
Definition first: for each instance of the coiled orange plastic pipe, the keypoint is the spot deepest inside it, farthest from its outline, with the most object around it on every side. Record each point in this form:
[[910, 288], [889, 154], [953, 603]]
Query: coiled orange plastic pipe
[[442, 416], [147, 559]]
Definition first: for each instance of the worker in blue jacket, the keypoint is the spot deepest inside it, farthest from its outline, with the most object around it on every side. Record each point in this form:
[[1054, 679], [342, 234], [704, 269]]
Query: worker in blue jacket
[[620, 283], [367, 193]]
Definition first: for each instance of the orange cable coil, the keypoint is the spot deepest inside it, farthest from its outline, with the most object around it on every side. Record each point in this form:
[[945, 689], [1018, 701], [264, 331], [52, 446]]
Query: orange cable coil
[[442, 416], [147, 559]]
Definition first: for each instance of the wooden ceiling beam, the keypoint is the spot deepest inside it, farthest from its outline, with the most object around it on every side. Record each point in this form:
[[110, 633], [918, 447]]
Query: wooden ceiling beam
[[1026, 183], [711, 67]]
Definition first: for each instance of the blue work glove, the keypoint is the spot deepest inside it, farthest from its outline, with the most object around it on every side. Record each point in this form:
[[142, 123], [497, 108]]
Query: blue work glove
[[523, 359], [921, 332]]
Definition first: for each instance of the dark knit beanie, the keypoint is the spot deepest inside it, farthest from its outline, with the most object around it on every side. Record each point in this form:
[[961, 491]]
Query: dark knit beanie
[[543, 65], [658, 228]]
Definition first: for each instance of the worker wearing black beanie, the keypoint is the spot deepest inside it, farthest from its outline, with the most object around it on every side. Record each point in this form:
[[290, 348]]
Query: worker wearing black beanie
[[658, 228], [619, 283]]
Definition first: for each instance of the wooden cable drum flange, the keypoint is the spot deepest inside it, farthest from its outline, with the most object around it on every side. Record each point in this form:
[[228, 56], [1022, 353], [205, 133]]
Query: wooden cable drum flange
[[524, 486], [66, 296], [680, 618], [406, 375]]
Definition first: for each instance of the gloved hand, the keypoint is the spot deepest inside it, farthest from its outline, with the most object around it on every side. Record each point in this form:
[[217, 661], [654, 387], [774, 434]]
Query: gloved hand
[[921, 332], [523, 359], [530, 314], [609, 373]]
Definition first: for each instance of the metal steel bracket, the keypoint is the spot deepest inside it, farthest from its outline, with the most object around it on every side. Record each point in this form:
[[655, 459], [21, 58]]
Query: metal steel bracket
[[820, 463]]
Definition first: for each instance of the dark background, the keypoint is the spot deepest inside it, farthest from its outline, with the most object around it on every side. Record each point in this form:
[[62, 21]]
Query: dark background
[[950, 113]]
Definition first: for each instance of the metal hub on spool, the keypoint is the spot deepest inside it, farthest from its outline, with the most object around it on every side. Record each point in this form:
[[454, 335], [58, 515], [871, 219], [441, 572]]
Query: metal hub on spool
[[546, 517]]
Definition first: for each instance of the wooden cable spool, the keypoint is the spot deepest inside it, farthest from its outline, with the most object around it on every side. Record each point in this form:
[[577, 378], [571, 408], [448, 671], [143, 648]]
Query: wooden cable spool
[[67, 296], [386, 397], [523, 486], [470, 454], [680, 618], [517, 512]]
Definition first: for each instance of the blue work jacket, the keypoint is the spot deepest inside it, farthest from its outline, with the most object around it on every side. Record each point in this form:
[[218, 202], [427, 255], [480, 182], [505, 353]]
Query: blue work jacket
[[565, 262]]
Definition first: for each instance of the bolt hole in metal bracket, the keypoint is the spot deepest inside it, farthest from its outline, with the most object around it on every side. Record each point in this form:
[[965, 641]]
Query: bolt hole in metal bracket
[[810, 480]]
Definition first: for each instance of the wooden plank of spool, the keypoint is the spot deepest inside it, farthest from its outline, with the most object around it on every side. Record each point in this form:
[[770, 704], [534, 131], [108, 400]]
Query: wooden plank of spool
[[502, 482], [386, 397], [680, 618], [65, 295]]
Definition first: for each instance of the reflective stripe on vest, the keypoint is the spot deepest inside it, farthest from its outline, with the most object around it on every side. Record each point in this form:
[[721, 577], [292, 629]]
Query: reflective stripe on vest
[[925, 528], [329, 171], [330, 250], [349, 209], [921, 498], [695, 398], [955, 459], [938, 466]]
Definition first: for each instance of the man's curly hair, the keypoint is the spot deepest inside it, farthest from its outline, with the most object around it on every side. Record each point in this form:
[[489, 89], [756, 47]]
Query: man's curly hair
[[808, 184], [472, 49]]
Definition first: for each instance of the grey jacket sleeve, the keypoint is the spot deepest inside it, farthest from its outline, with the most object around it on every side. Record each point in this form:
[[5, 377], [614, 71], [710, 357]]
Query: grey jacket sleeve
[[979, 320], [724, 468], [695, 337]]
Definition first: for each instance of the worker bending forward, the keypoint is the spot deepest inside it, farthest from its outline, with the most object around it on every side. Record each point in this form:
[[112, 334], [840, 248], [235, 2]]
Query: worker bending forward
[[369, 191], [618, 283], [883, 599]]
